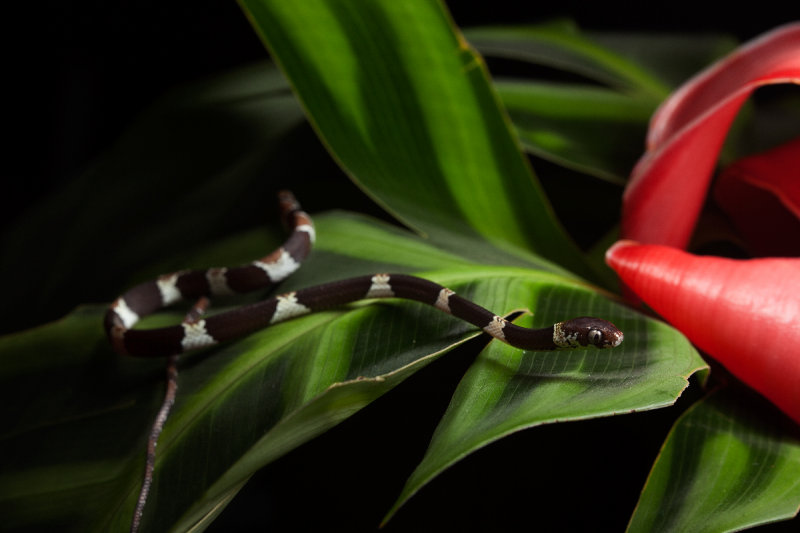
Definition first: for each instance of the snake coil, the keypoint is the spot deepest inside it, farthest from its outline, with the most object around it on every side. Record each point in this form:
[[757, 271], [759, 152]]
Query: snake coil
[[150, 296]]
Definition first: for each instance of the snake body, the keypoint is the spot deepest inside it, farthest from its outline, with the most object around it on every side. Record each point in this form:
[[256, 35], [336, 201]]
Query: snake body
[[148, 297]]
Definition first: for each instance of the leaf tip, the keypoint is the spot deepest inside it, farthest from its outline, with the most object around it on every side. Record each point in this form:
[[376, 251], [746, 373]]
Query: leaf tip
[[614, 251]]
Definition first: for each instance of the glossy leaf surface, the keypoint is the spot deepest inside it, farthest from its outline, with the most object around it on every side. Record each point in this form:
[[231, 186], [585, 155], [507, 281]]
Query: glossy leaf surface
[[244, 404], [728, 464], [594, 121], [592, 130], [405, 106], [509, 390]]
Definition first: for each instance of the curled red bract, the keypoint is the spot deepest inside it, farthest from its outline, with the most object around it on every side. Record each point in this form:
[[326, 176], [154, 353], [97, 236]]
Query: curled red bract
[[669, 183], [746, 313], [761, 197]]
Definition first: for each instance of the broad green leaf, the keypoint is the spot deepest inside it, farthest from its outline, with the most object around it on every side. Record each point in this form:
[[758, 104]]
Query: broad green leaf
[[509, 390], [246, 403], [407, 109], [593, 130], [238, 407], [731, 462], [94, 416]]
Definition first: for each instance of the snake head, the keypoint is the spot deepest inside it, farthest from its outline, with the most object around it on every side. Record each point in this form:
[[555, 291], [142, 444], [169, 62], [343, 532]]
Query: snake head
[[586, 331]]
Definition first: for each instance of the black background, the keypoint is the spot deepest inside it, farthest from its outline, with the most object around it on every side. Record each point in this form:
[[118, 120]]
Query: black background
[[78, 72]]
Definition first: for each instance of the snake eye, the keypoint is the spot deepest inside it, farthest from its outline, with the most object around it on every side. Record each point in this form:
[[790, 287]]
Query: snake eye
[[595, 337]]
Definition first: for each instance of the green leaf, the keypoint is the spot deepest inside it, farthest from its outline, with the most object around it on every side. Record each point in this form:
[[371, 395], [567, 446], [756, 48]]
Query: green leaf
[[671, 58], [406, 108], [74, 422], [561, 45], [596, 130], [588, 129], [98, 406], [508, 390], [239, 406], [244, 404], [729, 463]]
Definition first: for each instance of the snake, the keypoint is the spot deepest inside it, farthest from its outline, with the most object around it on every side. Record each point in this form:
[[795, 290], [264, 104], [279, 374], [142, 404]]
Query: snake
[[263, 273]]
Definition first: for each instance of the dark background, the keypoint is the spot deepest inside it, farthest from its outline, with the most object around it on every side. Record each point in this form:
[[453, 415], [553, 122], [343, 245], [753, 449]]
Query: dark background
[[79, 72]]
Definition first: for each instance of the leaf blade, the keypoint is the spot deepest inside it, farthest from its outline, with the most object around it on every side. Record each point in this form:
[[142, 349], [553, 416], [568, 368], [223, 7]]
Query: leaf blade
[[726, 465], [406, 108], [591, 130], [240, 405], [507, 390]]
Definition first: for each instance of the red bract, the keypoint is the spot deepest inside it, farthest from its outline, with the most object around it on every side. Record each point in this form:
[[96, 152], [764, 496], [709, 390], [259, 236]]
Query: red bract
[[761, 196], [746, 313], [667, 188]]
